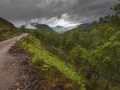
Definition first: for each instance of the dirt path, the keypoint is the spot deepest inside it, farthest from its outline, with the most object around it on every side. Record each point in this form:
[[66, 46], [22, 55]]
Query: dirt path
[[8, 64]]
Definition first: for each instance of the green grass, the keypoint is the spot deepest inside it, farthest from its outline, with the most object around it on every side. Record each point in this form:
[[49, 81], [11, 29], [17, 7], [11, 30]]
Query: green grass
[[39, 53], [7, 30]]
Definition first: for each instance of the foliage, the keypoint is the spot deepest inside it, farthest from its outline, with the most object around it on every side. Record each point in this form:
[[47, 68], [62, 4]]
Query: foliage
[[7, 29], [95, 50], [48, 37], [38, 53], [22, 28], [78, 54]]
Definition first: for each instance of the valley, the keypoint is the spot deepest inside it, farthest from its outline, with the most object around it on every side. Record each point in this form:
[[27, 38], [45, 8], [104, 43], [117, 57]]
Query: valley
[[61, 53]]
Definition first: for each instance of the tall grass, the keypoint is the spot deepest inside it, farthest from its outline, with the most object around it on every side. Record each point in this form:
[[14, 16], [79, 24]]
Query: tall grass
[[38, 53]]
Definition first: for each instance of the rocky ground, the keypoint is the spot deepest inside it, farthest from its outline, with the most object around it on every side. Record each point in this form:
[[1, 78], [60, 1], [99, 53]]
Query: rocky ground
[[21, 66], [31, 78]]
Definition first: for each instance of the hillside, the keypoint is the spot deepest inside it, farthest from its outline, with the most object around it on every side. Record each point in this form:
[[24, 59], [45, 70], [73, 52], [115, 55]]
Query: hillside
[[59, 29], [85, 27], [7, 29], [41, 26], [81, 28], [48, 67]]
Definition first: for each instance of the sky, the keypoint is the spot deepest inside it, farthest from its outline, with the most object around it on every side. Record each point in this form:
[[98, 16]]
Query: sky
[[55, 12]]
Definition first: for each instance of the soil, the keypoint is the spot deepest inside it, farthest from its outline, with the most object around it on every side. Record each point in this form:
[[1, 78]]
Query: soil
[[10, 64]]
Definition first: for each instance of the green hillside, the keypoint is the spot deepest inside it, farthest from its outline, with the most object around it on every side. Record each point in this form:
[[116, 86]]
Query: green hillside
[[43, 58], [87, 28], [7, 29], [85, 58], [94, 53]]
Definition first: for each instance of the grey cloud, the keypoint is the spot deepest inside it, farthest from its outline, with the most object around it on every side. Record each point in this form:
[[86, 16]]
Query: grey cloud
[[77, 10]]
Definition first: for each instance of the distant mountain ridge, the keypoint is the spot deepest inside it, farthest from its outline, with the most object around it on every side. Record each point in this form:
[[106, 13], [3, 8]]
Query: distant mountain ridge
[[85, 27], [91, 24], [71, 27], [59, 29], [85, 24], [41, 26]]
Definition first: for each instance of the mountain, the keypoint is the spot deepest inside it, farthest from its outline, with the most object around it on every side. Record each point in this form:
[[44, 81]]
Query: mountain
[[7, 23], [71, 27], [6, 26], [41, 26], [104, 21], [29, 26], [59, 29], [91, 24], [7, 29], [85, 24], [85, 27]]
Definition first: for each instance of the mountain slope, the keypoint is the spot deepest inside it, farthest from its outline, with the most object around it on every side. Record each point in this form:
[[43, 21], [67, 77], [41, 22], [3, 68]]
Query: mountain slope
[[7, 29], [86, 27], [41, 26], [71, 27], [6, 23], [44, 61], [59, 29]]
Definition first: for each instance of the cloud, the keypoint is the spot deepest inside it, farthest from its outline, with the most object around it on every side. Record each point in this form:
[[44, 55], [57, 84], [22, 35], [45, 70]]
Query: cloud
[[62, 21], [55, 12]]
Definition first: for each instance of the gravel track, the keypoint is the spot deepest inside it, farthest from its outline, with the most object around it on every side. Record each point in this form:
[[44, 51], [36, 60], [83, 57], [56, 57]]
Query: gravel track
[[9, 65]]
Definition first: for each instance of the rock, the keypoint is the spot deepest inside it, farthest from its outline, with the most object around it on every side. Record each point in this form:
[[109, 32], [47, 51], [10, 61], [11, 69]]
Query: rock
[[69, 85], [17, 84]]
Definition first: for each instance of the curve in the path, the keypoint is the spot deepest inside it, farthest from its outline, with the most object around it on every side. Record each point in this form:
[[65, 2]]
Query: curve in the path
[[8, 64], [5, 45]]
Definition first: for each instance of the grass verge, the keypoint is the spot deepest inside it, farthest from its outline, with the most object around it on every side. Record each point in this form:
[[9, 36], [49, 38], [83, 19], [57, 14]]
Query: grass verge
[[39, 53]]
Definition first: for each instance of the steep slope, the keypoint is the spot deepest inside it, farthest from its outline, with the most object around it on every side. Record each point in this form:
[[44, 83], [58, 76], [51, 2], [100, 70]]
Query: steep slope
[[59, 29], [47, 64], [5, 23], [71, 27], [7, 29], [85, 24], [86, 27], [41, 26]]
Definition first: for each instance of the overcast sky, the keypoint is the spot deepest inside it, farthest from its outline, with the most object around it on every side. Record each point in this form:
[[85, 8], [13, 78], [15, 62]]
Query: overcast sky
[[54, 12]]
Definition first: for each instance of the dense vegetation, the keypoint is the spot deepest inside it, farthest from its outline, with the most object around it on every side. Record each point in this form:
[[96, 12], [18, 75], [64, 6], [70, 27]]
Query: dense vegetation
[[95, 53], [7, 29], [45, 59], [88, 56]]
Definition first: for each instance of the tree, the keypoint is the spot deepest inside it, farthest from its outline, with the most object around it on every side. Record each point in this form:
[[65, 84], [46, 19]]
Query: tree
[[69, 45], [85, 40], [78, 54], [104, 57], [75, 36], [114, 18], [22, 28], [101, 18]]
